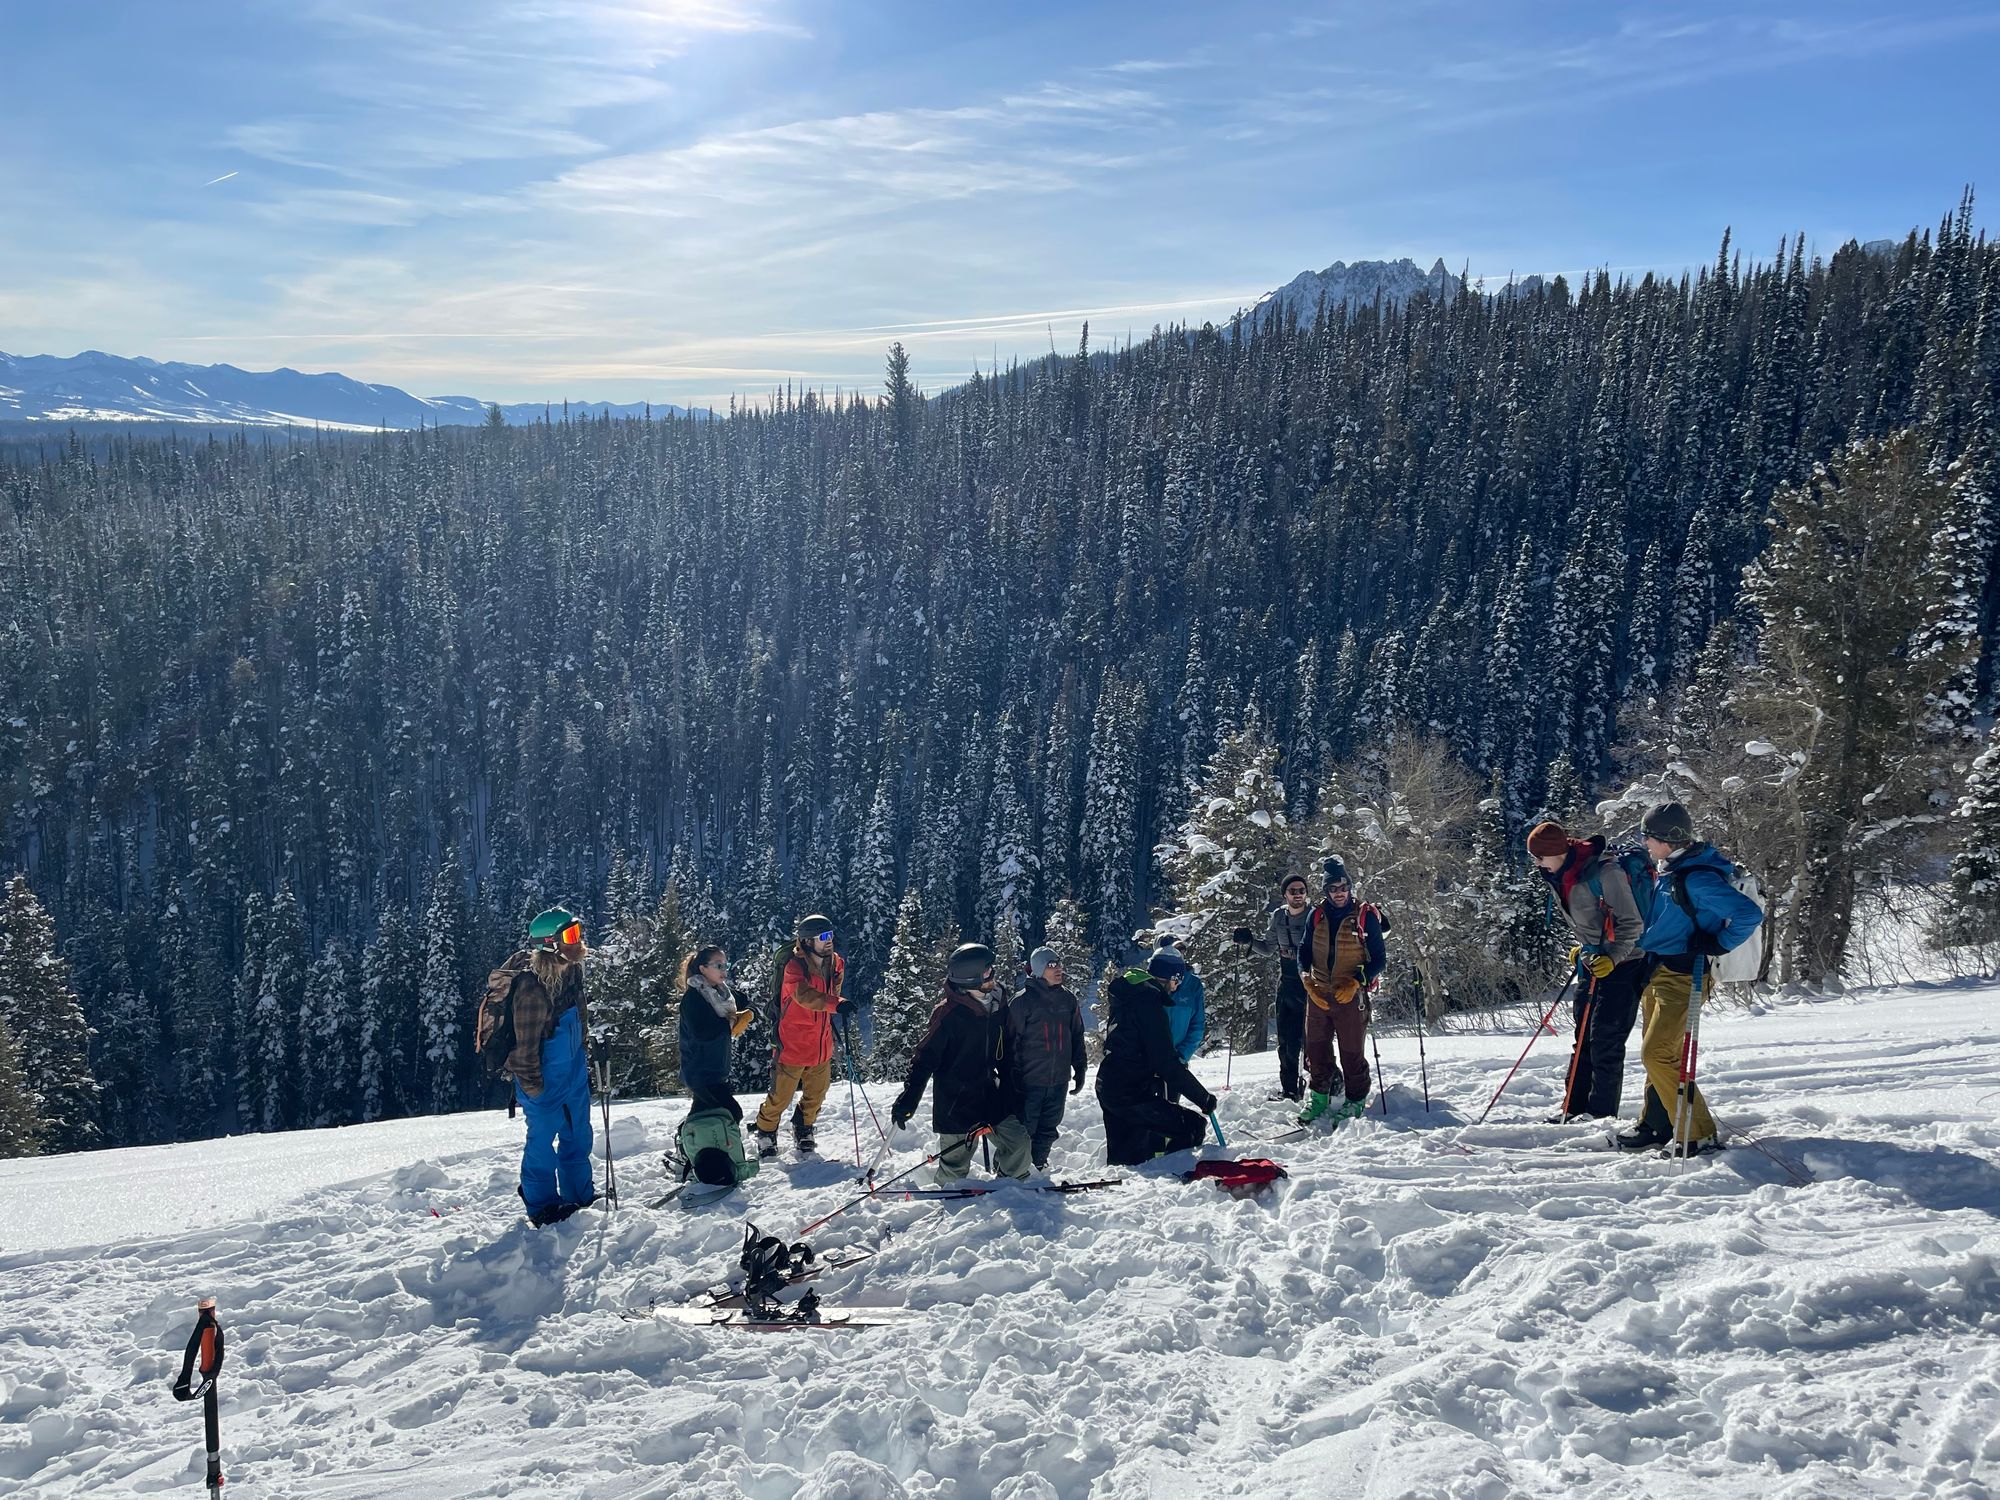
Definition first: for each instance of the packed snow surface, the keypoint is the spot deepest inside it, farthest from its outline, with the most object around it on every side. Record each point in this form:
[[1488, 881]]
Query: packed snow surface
[[1427, 1307]]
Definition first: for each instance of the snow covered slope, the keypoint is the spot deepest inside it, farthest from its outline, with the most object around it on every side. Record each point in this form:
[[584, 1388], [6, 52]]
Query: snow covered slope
[[1426, 1308], [95, 387]]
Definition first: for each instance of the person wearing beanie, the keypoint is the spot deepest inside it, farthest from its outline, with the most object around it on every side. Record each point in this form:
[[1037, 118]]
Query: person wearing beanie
[[1698, 914], [1141, 1073], [1044, 1052], [1284, 930], [1187, 1010], [1339, 957], [808, 996], [532, 1027], [961, 1055], [1593, 891]]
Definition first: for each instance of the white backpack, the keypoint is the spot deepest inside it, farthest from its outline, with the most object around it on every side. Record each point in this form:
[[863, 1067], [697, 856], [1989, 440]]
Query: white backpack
[[1745, 961]]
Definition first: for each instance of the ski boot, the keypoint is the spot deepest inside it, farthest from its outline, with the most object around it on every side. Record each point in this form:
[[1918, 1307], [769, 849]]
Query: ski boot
[[1640, 1139], [803, 1139], [767, 1143], [1353, 1109], [1319, 1106]]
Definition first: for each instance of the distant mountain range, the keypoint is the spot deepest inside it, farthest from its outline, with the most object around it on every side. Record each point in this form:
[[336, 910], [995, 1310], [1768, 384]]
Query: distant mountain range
[[1393, 282], [97, 387]]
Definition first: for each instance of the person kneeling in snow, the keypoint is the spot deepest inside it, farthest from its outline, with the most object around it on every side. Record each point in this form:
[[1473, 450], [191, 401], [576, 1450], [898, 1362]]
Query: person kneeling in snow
[[1044, 1040], [536, 999], [961, 1051], [1141, 1071]]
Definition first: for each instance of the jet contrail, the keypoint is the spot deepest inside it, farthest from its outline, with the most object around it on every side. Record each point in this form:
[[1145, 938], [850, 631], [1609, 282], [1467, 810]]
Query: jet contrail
[[214, 180]]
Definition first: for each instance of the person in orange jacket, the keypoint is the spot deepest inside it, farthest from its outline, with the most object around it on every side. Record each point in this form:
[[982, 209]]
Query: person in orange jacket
[[808, 995]]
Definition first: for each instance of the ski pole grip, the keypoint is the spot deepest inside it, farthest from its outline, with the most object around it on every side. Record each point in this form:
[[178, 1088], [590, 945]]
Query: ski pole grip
[[1216, 1125]]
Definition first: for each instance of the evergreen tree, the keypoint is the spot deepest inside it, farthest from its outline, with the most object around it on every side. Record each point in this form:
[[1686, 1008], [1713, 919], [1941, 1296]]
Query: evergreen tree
[[20, 1118], [274, 1018], [1839, 593], [44, 1018], [1972, 912], [1221, 867], [909, 990], [329, 1038], [1110, 811], [442, 1004], [388, 1007]]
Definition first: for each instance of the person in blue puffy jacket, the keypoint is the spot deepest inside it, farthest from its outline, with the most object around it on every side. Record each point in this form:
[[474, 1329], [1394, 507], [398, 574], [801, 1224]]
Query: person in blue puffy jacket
[[1698, 915], [1187, 1007]]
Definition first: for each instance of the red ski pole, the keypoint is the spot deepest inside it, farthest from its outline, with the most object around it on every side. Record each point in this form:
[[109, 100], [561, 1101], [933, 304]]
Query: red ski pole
[[1540, 1026]]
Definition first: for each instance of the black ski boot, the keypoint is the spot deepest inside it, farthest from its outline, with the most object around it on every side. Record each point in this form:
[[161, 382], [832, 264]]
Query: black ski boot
[[767, 1143], [1640, 1139], [803, 1139]]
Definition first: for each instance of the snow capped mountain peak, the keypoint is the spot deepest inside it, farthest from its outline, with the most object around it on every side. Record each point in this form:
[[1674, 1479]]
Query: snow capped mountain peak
[[1357, 285], [94, 386]]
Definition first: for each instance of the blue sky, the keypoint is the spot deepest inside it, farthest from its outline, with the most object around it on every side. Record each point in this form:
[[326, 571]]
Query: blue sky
[[683, 199]]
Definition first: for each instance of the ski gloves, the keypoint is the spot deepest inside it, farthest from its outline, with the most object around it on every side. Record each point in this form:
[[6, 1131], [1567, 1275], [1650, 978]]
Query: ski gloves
[[1342, 992], [740, 1022], [1242, 935], [900, 1115], [1077, 1087], [1597, 965]]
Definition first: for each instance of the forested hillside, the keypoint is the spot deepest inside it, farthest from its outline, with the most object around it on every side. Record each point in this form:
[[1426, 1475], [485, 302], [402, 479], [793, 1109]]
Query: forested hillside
[[292, 737]]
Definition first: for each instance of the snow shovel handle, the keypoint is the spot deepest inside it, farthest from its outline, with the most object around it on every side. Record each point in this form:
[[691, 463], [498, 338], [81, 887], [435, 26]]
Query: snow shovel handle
[[1216, 1125]]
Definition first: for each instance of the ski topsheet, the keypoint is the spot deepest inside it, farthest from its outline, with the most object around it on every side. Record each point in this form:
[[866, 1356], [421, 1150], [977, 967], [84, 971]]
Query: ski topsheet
[[830, 1319]]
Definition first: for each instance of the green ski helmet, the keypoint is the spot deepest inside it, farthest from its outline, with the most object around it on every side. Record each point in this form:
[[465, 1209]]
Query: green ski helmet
[[555, 926]]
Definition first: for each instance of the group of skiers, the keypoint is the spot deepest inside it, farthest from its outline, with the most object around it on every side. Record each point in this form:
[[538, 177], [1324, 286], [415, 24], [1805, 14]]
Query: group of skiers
[[1000, 1068]]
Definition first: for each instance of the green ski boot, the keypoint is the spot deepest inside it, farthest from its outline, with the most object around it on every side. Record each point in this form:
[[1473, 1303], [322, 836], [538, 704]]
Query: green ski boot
[[1317, 1107], [1353, 1109]]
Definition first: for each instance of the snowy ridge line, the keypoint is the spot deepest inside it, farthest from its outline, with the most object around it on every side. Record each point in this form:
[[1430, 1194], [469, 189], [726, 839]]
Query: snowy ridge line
[[1395, 1318]]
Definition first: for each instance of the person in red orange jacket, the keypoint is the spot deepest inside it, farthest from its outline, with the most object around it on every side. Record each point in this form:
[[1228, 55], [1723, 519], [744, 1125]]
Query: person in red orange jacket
[[808, 995]]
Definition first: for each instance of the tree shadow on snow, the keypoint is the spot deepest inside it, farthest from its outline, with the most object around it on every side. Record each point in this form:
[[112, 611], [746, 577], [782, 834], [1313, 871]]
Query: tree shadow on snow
[[1933, 1177]]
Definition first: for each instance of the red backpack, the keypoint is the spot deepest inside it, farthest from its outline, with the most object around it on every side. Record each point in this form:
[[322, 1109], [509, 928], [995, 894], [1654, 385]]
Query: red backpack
[[1238, 1177]]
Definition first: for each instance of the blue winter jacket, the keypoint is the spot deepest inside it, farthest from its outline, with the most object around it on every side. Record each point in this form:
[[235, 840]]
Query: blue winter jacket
[[1187, 1015], [1720, 909]]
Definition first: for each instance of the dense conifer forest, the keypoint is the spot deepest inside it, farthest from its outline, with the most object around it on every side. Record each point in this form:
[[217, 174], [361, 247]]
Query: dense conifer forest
[[293, 736]]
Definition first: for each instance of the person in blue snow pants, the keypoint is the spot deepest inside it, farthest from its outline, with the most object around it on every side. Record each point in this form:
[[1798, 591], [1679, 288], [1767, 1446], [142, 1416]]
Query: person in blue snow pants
[[551, 1070]]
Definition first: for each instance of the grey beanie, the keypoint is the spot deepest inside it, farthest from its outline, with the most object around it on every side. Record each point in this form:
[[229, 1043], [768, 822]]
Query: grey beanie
[[1669, 823], [1041, 958]]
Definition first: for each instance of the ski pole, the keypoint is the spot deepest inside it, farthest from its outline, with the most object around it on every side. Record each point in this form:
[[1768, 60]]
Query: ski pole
[[847, 1044], [1216, 1125], [1690, 1041], [869, 1174], [1540, 1027], [1423, 1063], [610, 1166], [872, 1191], [1381, 1081], [203, 1359], [853, 1115]]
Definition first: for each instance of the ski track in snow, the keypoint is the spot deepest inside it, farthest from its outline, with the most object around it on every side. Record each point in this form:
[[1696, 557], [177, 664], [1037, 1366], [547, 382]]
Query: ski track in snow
[[1522, 1316]]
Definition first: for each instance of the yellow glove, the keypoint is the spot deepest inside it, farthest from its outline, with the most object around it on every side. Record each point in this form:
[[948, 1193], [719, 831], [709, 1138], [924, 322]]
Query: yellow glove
[[1317, 992], [1597, 964], [740, 1022], [1345, 990]]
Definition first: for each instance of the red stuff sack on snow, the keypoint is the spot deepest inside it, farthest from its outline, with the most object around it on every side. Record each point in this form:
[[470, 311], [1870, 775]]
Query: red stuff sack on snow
[[1245, 1176]]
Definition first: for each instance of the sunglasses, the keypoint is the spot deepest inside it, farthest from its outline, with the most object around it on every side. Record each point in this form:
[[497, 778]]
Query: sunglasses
[[716, 963]]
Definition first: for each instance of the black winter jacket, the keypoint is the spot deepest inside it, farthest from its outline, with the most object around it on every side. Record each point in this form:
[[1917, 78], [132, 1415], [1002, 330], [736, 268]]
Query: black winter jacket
[[1044, 1038], [1139, 1058], [961, 1053]]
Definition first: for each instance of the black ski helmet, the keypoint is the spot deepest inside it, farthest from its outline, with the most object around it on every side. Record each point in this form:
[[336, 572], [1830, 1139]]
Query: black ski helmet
[[971, 965], [812, 926]]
